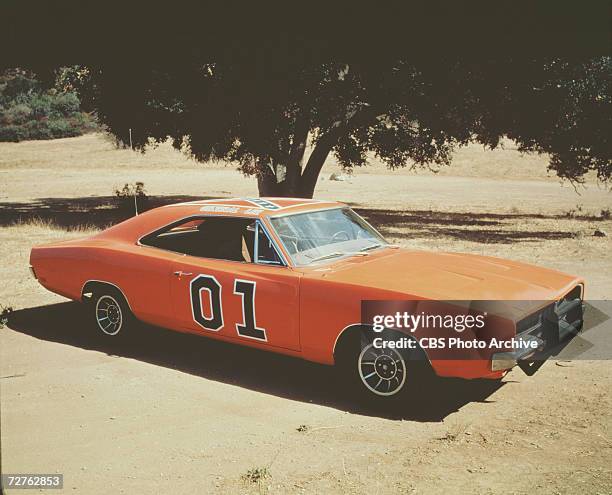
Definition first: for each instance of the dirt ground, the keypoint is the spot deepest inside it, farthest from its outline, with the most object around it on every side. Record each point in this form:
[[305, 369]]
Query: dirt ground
[[170, 413]]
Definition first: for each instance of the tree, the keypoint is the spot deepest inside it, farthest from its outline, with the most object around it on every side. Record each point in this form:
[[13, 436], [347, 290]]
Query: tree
[[263, 114]]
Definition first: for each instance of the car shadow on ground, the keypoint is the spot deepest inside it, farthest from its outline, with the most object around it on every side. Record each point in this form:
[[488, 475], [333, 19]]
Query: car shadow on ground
[[261, 371]]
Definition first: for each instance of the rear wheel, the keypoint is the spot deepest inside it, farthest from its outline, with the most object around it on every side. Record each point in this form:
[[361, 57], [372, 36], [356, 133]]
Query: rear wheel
[[110, 313]]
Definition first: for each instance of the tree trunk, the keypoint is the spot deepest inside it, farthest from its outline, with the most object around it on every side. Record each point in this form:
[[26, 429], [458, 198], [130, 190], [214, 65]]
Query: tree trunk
[[298, 183], [266, 181], [326, 143], [308, 180], [296, 157]]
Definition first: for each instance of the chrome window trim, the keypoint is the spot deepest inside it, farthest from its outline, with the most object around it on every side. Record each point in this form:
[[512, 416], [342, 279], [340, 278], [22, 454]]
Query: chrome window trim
[[257, 220], [313, 202], [259, 224], [256, 243]]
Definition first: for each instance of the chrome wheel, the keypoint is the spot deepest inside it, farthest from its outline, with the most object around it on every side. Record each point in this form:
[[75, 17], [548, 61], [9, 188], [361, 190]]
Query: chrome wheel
[[109, 315], [382, 371]]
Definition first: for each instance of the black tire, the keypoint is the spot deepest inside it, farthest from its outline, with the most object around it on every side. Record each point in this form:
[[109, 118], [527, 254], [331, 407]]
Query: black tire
[[110, 314], [382, 375]]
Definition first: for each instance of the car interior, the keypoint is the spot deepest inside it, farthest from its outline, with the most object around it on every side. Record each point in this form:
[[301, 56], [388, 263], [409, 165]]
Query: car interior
[[215, 237]]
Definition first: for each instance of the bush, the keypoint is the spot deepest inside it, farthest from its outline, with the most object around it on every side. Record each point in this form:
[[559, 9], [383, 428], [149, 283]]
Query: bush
[[18, 114], [12, 133], [28, 111], [132, 196]]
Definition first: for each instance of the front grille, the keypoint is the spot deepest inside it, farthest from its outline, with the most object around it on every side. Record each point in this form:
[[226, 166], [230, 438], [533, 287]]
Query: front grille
[[532, 322], [575, 293], [570, 313], [555, 321]]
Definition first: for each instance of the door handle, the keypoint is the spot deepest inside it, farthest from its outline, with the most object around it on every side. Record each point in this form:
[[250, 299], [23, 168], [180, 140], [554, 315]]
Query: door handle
[[181, 273]]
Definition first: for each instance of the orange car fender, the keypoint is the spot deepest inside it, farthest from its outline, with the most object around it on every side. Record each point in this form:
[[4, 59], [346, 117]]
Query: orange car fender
[[326, 310], [59, 269]]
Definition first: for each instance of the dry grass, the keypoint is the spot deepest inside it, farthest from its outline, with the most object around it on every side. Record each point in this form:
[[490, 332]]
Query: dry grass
[[36, 223], [66, 165], [98, 151]]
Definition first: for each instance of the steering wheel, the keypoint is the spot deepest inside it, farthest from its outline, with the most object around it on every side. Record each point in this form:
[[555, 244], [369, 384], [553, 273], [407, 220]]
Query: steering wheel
[[292, 241], [340, 233]]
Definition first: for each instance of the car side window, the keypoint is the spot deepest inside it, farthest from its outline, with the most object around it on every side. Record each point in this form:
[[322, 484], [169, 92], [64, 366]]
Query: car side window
[[224, 238]]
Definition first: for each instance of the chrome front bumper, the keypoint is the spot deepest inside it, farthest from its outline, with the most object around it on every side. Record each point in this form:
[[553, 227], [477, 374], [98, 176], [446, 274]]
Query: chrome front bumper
[[506, 360]]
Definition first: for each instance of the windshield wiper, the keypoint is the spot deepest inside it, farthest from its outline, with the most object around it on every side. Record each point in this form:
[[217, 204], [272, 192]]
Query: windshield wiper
[[371, 246], [335, 254], [326, 256]]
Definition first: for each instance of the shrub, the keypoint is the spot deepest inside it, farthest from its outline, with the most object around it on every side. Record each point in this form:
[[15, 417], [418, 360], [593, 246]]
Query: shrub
[[28, 111], [66, 104], [12, 133], [131, 196], [18, 114]]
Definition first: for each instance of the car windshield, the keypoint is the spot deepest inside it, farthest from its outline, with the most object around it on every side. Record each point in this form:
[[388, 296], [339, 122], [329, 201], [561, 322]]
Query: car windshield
[[326, 234]]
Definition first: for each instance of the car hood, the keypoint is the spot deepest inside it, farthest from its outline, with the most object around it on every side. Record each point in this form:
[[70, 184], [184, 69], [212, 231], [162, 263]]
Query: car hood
[[448, 276]]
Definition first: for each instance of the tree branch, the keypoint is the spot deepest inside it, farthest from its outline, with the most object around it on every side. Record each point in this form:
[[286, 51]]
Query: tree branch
[[327, 142]]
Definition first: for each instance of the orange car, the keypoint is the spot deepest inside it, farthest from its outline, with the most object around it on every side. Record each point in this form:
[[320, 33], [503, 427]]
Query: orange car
[[289, 276]]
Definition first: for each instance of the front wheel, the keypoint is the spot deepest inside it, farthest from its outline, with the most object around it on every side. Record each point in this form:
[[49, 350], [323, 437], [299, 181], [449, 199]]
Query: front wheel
[[381, 373]]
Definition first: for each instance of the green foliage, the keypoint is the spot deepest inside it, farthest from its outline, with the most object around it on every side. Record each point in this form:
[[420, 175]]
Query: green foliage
[[29, 111], [408, 112], [131, 190], [132, 197]]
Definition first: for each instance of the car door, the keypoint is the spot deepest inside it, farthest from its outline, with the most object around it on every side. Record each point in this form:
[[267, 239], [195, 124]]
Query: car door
[[143, 272], [251, 301]]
